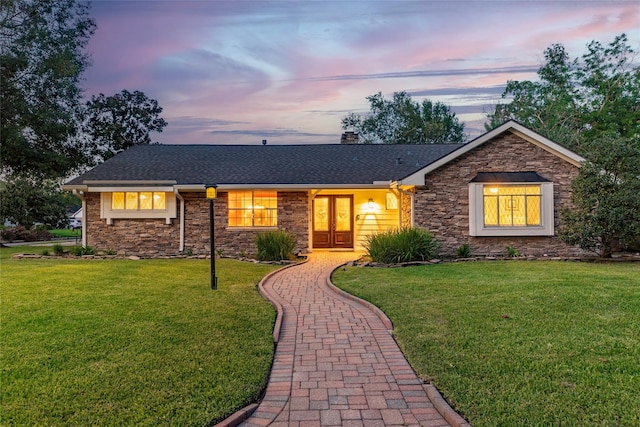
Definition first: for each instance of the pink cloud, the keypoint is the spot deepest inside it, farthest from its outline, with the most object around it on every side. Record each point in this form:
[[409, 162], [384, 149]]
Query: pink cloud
[[260, 67]]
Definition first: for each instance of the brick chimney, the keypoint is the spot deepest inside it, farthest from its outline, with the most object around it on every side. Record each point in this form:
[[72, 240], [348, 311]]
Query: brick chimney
[[349, 138]]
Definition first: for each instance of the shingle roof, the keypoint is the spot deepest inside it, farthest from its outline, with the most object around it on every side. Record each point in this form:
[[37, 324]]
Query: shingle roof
[[268, 164]]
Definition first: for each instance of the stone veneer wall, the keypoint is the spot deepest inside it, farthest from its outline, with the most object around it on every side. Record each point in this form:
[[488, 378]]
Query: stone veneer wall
[[405, 206], [145, 237], [442, 204], [292, 217], [153, 237]]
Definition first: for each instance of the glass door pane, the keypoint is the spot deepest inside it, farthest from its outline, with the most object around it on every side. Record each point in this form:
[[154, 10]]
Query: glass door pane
[[321, 214], [343, 214]]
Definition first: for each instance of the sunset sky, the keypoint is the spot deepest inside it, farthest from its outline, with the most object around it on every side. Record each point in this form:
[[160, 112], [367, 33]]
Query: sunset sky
[[238, 72]]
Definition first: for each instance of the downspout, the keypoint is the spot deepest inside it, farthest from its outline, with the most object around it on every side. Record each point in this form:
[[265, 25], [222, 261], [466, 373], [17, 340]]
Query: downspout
[[80, 195], [179, 196]]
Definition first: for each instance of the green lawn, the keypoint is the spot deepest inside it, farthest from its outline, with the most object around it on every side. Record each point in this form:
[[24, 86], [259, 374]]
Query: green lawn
[[518, 343], [66, 232], [122, 342]]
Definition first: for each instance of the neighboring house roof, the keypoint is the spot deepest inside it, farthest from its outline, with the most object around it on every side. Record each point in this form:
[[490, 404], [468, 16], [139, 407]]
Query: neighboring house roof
[[76, 214], [321, 164]]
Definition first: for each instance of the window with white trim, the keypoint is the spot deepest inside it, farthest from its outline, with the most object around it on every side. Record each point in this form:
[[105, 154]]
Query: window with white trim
[[252, 208], [512, 205], [503, 207], [137, 204], [138, 200]]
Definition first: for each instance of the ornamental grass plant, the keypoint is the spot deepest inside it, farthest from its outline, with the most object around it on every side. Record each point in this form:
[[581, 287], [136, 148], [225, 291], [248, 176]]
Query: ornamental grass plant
[[403, 245], [275, 245]]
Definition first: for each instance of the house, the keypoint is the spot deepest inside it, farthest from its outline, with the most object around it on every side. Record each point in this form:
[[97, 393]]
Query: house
[[504, 188], [75, 219]]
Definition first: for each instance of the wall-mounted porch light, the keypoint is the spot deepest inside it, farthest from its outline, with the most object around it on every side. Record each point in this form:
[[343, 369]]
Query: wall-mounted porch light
[[211, 196]]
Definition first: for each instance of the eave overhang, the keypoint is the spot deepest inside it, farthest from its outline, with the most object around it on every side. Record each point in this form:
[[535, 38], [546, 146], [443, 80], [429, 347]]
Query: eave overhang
[[110, 186]]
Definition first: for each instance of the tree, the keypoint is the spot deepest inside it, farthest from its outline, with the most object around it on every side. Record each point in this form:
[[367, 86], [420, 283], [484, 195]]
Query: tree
[[403, 121], [46, 130], [578, 101], [26, 202], [606, 198], [41, 62], [115, 123], [589, 105]]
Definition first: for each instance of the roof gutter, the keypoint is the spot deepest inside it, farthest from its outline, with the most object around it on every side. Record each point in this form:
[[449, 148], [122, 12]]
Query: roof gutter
[[300, 187], [74, 187], [110, 186], [129, 182]]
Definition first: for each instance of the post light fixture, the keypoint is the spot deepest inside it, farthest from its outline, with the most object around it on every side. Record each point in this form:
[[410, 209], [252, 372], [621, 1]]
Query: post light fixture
[[211, 191], [211, 194]]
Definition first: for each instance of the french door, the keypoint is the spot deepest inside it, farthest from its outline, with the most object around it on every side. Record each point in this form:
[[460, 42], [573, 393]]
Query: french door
[[333, 221]]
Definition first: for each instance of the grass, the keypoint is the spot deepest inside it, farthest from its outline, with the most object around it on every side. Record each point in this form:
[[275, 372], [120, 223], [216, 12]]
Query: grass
[[515, 342], [121, 342], [66, 232]]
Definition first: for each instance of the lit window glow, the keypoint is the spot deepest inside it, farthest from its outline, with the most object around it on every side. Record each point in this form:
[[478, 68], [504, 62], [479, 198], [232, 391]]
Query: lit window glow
[[253, 209], [138, 200], [512, 206]]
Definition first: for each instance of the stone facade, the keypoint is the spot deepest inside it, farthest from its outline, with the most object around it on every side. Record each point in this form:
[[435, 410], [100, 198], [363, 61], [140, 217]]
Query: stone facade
[[147, 237], [153, 237], [442, 204], [292, 217], [405, 206]]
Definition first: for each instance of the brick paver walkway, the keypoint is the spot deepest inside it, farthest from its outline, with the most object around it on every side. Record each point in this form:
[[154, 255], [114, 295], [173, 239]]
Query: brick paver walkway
[[336, 363]]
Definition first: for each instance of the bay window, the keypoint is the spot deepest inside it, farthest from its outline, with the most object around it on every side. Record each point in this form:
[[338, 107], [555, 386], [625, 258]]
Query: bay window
[[511, 204]]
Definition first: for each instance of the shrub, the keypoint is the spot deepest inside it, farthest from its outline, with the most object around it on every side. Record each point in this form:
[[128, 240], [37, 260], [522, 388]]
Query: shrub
[[58, 249], [38, 233], [275, 245], [14, 233], [405, 245], [464, 251], [21, 233], [512, 252], [80, 250]]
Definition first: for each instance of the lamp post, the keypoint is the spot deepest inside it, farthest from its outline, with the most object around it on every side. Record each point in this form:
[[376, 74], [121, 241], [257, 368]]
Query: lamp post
[[211, 195]]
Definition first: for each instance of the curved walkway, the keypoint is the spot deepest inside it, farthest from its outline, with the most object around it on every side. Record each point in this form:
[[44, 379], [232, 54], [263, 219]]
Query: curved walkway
[[336, 362]]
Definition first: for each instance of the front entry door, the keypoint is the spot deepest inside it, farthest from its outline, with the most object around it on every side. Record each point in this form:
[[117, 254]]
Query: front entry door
[[333, 222]]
